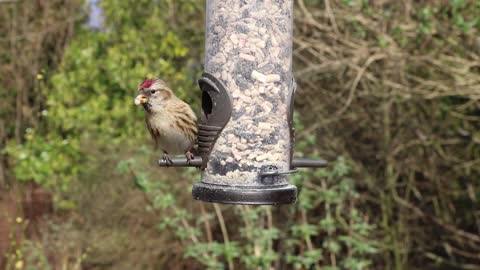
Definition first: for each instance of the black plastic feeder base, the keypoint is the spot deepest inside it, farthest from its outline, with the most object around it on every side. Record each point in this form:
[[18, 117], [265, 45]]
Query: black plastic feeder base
[[245, 195]]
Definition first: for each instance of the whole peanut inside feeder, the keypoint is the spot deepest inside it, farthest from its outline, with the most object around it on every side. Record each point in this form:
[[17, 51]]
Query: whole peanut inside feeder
[[249, 49]]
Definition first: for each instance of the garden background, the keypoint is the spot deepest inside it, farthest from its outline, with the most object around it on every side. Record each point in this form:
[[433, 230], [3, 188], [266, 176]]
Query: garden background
[[389, 93]]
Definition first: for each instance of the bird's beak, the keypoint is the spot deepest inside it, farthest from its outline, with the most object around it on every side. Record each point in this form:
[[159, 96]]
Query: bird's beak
[[140, 99]]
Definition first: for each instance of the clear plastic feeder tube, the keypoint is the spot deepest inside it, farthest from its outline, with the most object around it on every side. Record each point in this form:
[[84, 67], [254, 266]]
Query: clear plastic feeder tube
[[249, 49]]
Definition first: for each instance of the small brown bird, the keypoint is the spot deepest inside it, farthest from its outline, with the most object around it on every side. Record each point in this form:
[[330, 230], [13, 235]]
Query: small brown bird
[[171, 122]]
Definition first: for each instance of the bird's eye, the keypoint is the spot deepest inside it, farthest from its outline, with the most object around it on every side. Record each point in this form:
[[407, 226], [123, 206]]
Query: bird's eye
[[153, 91]]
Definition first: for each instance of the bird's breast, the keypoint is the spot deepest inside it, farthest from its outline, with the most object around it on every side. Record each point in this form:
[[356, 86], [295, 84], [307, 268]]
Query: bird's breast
[[170, 138]]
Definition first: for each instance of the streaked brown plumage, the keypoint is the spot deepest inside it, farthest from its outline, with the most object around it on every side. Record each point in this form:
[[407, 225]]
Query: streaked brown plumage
[[170, 121]]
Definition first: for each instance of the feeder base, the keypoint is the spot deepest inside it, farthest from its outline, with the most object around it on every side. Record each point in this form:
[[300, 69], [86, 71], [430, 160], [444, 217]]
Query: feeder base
[[245, 195]]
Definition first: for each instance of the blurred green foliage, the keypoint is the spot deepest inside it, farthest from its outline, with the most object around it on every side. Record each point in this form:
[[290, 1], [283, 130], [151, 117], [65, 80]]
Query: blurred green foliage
[[52, 163], [89, 99]]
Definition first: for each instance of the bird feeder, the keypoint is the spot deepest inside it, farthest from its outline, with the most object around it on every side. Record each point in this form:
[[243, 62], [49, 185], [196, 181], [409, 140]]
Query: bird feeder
[[246, 137]]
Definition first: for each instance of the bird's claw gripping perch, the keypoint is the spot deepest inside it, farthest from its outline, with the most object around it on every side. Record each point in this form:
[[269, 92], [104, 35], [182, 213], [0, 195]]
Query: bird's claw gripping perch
[[167, 159], [189, 155]]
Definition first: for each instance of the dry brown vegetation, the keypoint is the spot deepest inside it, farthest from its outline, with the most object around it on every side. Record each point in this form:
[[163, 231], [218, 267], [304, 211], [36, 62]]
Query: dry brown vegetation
[[33, 37], [404, 105]]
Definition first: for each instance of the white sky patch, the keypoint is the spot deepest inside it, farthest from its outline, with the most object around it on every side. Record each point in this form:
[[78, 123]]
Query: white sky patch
[[95, 17]]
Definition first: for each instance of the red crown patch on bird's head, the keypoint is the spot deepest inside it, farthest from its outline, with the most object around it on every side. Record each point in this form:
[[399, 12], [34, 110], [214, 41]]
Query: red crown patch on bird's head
[[147, 83]]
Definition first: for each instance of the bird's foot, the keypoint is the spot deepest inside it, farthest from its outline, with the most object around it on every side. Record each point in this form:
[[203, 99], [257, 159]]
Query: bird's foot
[[167, 159], [189, 156]]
